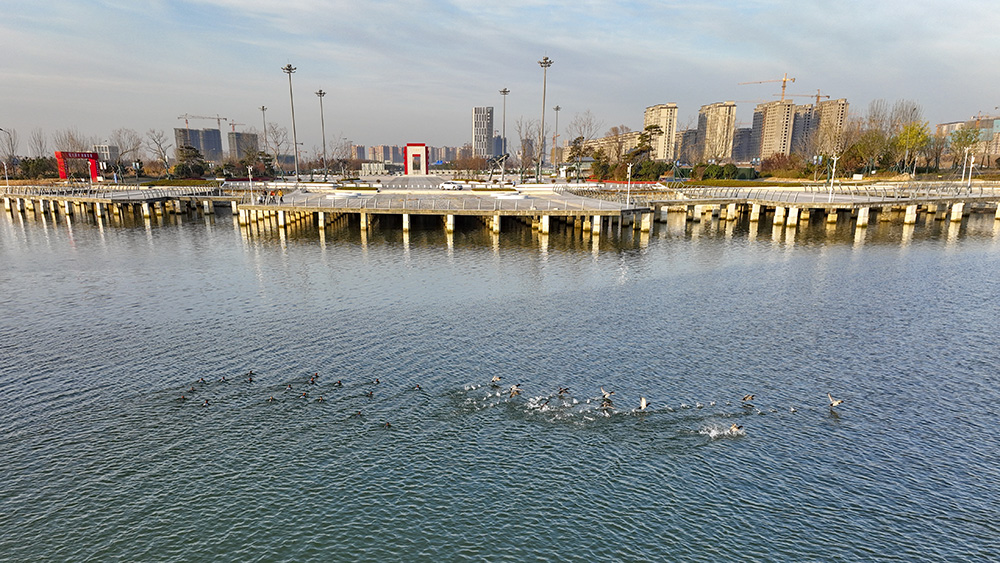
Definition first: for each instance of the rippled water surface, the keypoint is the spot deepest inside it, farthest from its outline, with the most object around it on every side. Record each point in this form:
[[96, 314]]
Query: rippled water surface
[[414, 454]]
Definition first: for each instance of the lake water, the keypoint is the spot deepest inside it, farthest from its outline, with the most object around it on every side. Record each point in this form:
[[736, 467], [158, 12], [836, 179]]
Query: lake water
[[105, 328]]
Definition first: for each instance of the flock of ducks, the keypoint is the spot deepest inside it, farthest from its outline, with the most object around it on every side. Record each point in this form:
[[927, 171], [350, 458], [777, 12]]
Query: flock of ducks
[[513, 391], [309, 394], [644, 403]]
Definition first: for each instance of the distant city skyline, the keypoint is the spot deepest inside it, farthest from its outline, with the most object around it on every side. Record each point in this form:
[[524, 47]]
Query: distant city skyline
[[399, 72]]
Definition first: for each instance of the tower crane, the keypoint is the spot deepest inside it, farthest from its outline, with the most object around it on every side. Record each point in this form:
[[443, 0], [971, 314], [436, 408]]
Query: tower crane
[[784, 82], [817, 95], [188, 116], [234, 124]]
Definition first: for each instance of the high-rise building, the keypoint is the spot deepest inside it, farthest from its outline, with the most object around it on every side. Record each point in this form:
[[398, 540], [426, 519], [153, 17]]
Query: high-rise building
[[803, 126], [482, 132], [686, 146], [772, 128], [829, 121], [664, 116], [207, 141], [716, 123], [358, 152], [742, 144], [242, 144]]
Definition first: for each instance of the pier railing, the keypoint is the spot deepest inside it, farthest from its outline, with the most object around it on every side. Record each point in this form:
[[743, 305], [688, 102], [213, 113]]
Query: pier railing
[[432, 204], [124, 193]]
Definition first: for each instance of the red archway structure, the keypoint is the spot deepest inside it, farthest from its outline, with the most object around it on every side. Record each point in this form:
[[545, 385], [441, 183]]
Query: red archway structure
[[91, 157]]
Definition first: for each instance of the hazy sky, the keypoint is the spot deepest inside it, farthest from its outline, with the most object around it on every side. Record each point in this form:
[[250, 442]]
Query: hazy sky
[[411, 71]]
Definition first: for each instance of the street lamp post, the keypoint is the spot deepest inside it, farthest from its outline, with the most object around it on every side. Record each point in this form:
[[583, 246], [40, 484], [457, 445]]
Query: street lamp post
[[322, 124], [555, 135], [833, 174], [289, 69], [628, 192], [503, 128], [263, 119], [5, 177], [545, 63]]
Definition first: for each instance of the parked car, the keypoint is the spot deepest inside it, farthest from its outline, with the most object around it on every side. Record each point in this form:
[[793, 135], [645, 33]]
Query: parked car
[[449, 185]]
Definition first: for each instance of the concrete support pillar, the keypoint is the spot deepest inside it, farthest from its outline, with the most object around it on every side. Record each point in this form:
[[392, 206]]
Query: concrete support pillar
[[755, 213], [793, 217], [321, 219], [244, 216], [449, 223], [697, 213], [99, 210], [20, 205], [998, 212], [7, 206], [208, 207], [235, 209], [779, 216], [543, 224], [911, 215], [831, 217], [956, 212], [364, 220], [406, 221], [862, 217], [731, 212], [496, 223], [646, 223], [67, 208], [282, 221], [145, 210], [664, 213], [595, 224]]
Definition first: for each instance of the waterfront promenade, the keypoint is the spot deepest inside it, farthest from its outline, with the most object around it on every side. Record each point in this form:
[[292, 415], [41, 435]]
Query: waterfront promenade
[[585, 207]]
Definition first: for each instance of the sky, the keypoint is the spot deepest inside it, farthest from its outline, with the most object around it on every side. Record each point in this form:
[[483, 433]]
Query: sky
[[410, 71]]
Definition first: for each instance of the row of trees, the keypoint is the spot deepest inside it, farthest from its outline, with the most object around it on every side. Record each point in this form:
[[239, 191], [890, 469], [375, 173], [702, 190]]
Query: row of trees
[[887, 137]]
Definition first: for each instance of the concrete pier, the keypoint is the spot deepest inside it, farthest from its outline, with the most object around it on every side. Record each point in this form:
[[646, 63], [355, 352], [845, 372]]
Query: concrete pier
[[911, 215], [862, 217], [755, 212], [956, 212], [406, 221], [779, 216], [793, 217]]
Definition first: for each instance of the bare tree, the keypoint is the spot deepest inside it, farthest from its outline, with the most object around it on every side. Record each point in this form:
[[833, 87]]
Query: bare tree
[[278, 139], [8, 146], [527, 132], [72, 140], [618, 134], [585, 125], [37, 143], [129, 144], [156, 142]]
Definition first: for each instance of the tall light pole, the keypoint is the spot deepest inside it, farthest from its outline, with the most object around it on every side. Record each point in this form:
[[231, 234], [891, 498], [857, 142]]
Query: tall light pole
[[555, 135], [545, 63], [9, 136], [322, 124], [263, 119], [289, 69], [503, 129]]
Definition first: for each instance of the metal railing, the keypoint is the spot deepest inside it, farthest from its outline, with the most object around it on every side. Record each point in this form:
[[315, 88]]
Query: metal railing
[[430, 205]]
